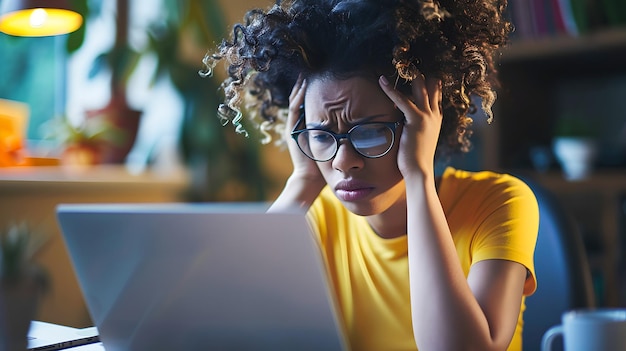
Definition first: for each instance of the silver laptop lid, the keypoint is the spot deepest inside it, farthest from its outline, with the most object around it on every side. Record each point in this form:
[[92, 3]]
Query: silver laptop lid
[[201, 276]]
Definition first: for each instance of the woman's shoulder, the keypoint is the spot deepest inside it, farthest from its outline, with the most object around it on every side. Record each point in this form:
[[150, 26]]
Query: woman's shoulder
[[480, 178], [483, 183]]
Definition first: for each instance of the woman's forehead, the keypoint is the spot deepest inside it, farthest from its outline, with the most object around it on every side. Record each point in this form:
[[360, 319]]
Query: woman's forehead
[[350, 91], [351, 100]]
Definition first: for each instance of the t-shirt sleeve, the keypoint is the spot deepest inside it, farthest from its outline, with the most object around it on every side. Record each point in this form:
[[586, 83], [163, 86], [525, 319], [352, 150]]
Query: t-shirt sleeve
[[322, 211], [509, 227]]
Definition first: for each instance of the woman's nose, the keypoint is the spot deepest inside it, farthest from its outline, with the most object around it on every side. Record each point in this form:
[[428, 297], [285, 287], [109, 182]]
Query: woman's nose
[[347, 158]]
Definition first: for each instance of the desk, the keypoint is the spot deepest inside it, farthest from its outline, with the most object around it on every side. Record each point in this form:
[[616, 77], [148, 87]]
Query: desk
[[32, 194]]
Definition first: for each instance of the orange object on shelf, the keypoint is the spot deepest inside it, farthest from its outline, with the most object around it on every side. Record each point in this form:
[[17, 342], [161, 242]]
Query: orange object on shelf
[[13, 124], [41, 161]]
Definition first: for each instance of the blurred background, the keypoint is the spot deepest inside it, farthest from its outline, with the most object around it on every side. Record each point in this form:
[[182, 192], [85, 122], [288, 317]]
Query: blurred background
[[117, 112], [142, 58]]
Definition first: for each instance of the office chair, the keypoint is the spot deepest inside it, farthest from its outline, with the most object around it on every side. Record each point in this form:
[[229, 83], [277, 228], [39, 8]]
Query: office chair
[[563, 273]]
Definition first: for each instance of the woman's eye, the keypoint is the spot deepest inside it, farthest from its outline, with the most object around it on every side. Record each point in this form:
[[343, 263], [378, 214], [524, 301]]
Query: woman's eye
[[321, 137], [370, 131]]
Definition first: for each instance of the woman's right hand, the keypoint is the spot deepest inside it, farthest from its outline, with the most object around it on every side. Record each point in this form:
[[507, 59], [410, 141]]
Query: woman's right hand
[[303, 167], [306, 180]]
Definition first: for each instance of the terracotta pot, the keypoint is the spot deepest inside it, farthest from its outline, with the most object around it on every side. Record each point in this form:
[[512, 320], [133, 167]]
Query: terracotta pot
[[81, 155], [121, 115]]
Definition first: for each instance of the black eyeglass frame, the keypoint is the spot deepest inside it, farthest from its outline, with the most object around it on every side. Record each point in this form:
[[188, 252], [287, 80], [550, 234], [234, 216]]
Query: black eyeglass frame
[[393, 126]]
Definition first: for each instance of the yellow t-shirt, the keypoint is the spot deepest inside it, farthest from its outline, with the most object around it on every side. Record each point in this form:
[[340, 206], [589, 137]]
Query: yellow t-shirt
[[490, 215]]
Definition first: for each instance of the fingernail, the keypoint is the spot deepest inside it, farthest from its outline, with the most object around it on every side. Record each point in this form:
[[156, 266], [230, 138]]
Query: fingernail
[[383, 80]]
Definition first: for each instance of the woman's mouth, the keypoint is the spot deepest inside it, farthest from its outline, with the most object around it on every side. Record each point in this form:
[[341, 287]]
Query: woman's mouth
[[351, 190]]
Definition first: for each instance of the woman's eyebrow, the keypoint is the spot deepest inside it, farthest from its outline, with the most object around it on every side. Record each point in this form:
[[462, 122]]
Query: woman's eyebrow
[[322, 125]]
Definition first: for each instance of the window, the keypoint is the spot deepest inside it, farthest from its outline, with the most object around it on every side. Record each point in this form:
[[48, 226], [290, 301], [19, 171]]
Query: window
[[33, 72]]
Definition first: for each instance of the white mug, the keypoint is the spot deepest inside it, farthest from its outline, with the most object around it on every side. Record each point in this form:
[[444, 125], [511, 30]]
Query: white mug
[[601, 329]]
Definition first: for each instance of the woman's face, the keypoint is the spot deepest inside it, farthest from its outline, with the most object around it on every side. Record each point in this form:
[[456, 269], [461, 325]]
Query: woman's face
[[366, 186]]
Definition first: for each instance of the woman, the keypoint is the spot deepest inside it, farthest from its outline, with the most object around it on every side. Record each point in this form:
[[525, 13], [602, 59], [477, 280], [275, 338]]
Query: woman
[[375, 91]]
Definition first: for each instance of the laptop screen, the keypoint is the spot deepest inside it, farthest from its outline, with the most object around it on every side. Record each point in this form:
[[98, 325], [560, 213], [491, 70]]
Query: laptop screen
[[209, 276]]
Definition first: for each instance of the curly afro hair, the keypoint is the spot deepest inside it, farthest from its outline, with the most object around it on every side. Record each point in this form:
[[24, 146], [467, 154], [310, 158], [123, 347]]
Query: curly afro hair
[[453, 40]]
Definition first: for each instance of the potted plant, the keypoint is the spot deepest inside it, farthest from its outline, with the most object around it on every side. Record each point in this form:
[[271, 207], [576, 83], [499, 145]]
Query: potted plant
[[574, 146], [22, 283], [121, 60], [84, 144]]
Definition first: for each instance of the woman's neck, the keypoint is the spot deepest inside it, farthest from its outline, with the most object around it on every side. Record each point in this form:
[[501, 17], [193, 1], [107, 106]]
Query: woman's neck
[[392, 222]]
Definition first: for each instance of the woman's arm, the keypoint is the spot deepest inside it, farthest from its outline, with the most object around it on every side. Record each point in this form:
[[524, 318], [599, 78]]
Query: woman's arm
[[299, 192], [449, 312], [306, 181]]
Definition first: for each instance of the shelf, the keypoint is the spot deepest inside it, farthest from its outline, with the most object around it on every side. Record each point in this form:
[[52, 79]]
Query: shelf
[[543, 78], [611, 182], [566, 47], [94, 178]]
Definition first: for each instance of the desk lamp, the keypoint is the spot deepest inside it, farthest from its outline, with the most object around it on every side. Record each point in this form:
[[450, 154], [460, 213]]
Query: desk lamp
[[38, 18]]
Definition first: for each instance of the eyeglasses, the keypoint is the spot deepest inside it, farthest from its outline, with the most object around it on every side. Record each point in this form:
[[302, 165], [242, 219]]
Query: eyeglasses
[[371, 140]]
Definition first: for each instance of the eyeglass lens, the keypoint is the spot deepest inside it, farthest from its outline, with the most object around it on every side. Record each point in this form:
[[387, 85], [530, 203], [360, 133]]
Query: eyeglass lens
[[370, 140]]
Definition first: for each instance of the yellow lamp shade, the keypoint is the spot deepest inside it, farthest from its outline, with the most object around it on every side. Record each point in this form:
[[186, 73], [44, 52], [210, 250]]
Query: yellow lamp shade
[[38, 18]]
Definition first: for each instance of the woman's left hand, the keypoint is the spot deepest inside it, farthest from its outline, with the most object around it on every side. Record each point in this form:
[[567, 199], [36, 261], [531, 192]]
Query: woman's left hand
[[423, 118]]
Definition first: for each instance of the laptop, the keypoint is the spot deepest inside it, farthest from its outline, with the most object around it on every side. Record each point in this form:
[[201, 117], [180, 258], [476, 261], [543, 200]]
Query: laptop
[[49, 336], [211, 276]]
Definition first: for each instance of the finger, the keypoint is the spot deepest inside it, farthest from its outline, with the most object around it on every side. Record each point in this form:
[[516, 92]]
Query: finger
[[434, 94], [296, 87], [296, 99], [399, 99], [420, 93]]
